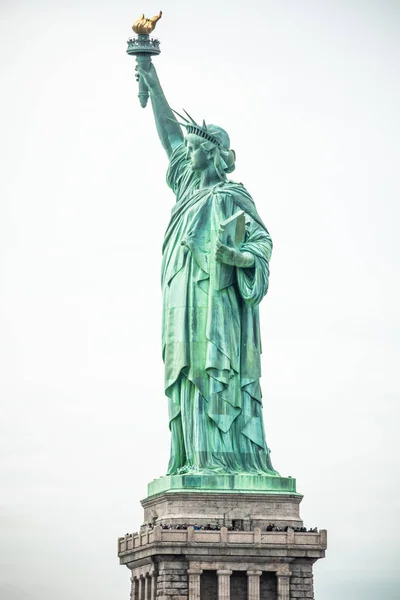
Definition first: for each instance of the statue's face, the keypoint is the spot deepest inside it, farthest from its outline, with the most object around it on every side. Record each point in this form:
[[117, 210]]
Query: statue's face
[[195, 153]]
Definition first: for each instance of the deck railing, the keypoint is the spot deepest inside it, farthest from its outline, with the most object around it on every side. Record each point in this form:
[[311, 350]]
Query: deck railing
[[132, 541]]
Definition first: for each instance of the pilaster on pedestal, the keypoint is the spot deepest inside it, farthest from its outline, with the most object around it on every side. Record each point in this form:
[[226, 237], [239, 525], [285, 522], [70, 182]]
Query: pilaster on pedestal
[[224, 584], [153, 587], [194, 583], [133, 588], [253, 585], [283, 587], [140, 588]]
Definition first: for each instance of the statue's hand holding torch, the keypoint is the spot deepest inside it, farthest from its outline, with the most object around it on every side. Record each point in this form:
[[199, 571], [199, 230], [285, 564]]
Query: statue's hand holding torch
[[144, 47], [147, 77]]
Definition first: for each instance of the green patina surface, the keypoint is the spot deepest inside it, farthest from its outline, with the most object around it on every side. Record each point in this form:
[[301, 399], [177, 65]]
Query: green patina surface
[[227, 483], [212, 286]]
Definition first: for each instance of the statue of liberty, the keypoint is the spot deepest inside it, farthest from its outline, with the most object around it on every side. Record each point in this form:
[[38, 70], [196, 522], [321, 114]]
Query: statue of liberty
[[210, 333]]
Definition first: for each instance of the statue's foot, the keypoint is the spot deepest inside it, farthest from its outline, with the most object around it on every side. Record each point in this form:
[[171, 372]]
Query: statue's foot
[[183, 470]]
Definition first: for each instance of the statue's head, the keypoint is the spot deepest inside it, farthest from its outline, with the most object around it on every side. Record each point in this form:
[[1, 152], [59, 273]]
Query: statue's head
[[213, 143]]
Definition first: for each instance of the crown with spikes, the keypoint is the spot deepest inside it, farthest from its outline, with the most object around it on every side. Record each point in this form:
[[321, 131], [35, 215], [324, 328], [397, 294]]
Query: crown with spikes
[[201, 130]]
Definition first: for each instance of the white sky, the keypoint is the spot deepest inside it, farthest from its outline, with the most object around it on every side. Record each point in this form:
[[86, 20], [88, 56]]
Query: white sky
[[309, 93]]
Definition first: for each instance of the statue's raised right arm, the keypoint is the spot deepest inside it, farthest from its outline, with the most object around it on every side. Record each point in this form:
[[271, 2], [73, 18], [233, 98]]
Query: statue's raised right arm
[[169, 130]]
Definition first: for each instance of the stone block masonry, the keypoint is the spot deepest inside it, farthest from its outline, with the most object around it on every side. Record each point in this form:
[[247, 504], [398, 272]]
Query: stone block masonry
[[194, 564]]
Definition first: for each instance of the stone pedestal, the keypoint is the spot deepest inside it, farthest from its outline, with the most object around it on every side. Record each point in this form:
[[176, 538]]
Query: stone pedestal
[[247, 509], [206, 544]]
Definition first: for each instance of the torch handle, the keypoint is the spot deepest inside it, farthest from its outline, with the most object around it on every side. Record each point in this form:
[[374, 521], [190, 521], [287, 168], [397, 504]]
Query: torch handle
[[144, 62]]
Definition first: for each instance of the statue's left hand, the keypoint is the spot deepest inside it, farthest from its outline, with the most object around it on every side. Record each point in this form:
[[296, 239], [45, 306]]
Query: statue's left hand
[[229, 255]]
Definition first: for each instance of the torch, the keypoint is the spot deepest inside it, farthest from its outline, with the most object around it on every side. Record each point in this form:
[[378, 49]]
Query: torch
[[144, 47]]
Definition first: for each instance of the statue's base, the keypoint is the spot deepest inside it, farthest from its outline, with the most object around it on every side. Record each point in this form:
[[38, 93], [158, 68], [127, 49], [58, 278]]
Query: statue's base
[[207, 537], [264, 484], [243, 510], [210, 544]]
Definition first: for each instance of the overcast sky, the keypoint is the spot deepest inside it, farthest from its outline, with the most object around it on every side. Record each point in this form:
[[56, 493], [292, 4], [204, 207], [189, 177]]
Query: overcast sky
[[309, 93]]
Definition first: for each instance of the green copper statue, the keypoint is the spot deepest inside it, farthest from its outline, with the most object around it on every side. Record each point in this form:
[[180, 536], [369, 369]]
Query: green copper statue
[[212, 286]]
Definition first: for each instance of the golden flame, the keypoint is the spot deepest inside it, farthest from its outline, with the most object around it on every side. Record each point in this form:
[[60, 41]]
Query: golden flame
[[144, 25]]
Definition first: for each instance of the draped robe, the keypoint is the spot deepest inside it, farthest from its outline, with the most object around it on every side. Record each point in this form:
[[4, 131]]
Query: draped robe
[[211, 338]]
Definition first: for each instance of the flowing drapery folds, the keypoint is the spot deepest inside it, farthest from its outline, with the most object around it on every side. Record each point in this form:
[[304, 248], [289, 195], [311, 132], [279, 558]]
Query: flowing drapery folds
[[211, 338]]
